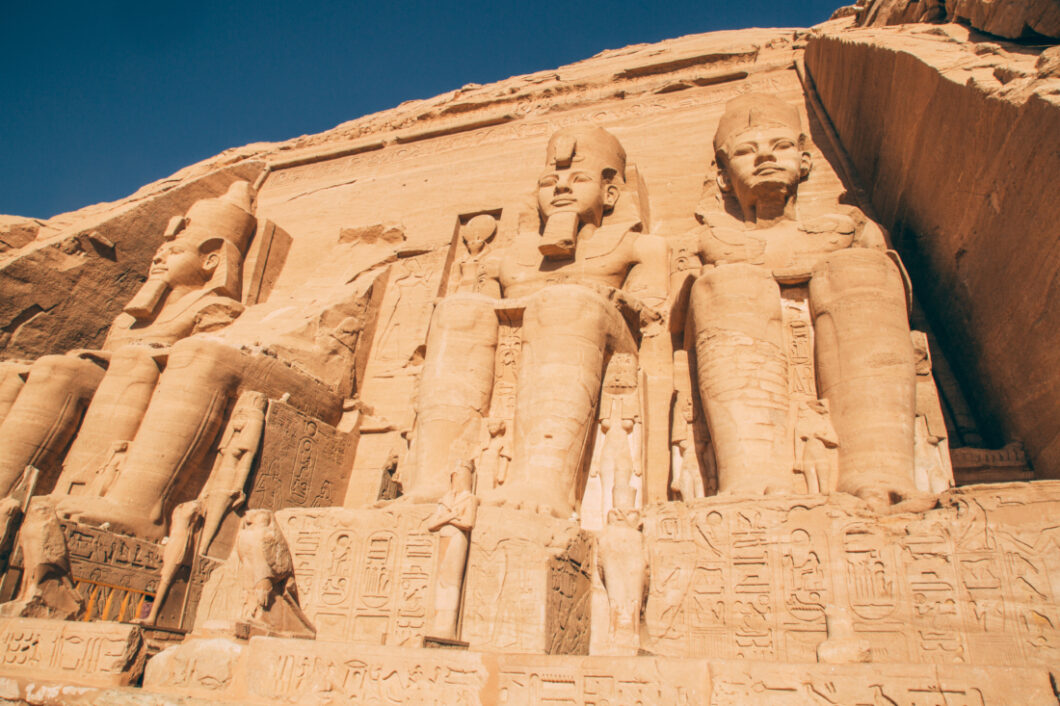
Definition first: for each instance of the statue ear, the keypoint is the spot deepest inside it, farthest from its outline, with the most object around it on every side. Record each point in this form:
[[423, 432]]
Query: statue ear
[[723, 180], [611, 194], [210, 261], [805, 165]]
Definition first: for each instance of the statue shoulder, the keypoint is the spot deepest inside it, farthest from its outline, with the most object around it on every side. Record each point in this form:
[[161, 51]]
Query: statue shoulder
[[214, 312], [723, 238]]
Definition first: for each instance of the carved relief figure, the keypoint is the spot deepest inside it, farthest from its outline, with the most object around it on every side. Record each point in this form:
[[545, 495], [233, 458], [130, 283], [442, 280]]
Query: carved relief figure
[[496, 455], [178, 551], [193, 286], [686, 475], [47, 591], [266, 571], [623, 570], [815, 446], [572, 279], [452, 520], [476, 235], [236, 452], [858, 302]]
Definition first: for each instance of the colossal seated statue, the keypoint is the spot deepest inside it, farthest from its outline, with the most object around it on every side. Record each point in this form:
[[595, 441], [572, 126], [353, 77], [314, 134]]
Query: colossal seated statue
[[764, 253], [581, 284], [193, 286], [157, 393]]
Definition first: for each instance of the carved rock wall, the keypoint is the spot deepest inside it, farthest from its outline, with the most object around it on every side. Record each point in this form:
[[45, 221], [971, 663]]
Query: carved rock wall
[[956, 140]]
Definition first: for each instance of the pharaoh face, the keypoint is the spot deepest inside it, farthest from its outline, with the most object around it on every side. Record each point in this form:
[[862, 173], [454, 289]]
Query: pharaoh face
[[763, 158], [180, 264], [581, 189]]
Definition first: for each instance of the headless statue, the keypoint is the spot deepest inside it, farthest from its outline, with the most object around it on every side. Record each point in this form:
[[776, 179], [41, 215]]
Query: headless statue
[[857, 299], [573, 278]]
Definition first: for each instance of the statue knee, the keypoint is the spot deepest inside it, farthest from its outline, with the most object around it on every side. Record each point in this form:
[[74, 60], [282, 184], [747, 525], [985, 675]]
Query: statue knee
[[204, 362], [856, 272], [74, 374], [464, 313]]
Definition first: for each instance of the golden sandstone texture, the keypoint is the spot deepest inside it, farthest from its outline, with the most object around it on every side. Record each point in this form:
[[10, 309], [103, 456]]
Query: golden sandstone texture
[[716, 371]]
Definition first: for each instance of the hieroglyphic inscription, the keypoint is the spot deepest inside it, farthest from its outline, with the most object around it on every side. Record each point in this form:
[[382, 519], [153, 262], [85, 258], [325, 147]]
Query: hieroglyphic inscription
[[968, 582], [293, 670], [101, 654], [305, 462], [526, 681], [740, 684], [363, 576]]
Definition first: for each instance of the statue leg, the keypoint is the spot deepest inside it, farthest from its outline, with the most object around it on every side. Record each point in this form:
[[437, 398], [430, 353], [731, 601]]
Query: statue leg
[[567, 333], [44, 418], [743, 378], [182, 421], [865, 365], [118, 406], [454, 395]]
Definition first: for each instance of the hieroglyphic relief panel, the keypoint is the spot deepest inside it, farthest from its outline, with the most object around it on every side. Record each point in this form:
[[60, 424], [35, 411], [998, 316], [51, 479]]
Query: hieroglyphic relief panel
[[967, 583], [595, 681], [742, 684], [363, 576], [302, 671], [304, 462], [507, 580], [97, 654]]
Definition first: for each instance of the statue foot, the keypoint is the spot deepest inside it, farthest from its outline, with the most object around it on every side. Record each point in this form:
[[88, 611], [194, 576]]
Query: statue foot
[[893, 502], [100, 511], [522, 499]]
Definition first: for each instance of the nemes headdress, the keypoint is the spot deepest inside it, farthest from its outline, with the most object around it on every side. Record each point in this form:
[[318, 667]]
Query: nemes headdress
[[585, 143], [755, 110]]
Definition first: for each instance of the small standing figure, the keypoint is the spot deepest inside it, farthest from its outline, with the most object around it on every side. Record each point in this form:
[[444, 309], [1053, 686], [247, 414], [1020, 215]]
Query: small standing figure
[[109, 470], [623, 569], [176, 552], [47, 591], [239, 446], [495, 457], [476, 234], [266, 570], [452, 520], [816, 447], [686, 476]]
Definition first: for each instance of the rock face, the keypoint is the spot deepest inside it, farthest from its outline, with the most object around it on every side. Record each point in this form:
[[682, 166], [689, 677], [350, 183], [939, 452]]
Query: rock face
[[644, 380], [977, 227], [1012, 19]]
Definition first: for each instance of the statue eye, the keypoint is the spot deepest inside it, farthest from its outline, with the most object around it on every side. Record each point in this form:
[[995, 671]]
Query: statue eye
[[581, 178], [784, 145], [549, 180], [742, 150]]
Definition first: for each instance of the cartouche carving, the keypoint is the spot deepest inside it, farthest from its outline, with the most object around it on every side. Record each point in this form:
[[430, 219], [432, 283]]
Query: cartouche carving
[[570, 281], [857, 298]]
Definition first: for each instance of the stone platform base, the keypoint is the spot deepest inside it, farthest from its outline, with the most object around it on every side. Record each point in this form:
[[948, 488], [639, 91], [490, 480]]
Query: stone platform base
[[275, 671]]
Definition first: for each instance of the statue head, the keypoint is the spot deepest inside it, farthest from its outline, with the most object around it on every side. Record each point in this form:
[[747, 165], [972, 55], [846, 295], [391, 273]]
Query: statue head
[[204, 253], [758, 148], [477, 232], [460, 480], [584, 169]]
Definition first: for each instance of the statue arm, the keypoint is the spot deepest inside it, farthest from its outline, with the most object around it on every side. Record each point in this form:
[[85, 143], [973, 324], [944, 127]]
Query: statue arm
[[871, 236], [490, 279], [649, 277]]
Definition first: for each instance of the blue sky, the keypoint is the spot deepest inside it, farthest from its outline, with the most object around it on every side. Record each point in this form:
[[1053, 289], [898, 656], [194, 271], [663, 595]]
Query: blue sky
[[100, 98]]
